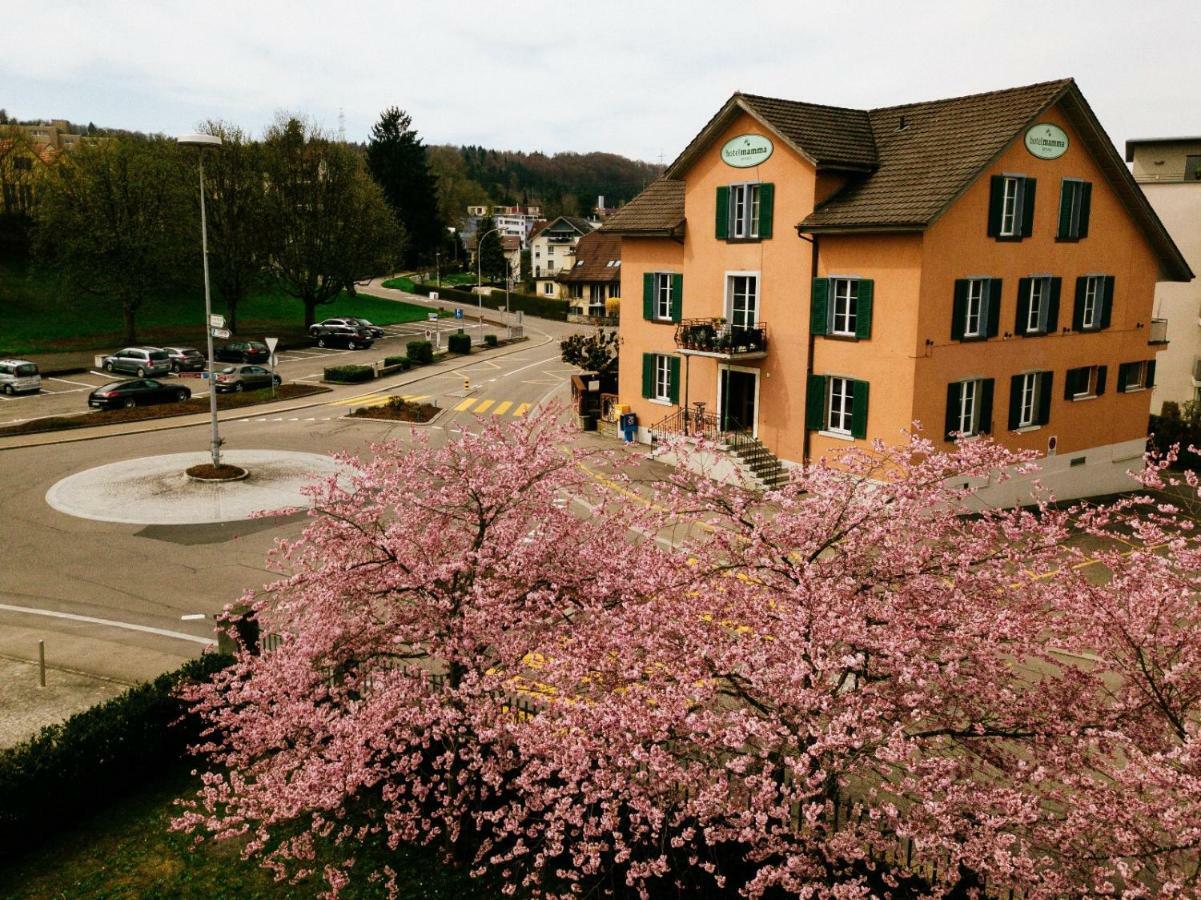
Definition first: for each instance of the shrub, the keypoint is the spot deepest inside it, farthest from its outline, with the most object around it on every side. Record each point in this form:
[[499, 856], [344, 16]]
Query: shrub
[[1170, 410], [531, 304], [491, 340], [403, 361], [421, 353], [74, 768], [459, 343], [349, 374], [1166, 431]]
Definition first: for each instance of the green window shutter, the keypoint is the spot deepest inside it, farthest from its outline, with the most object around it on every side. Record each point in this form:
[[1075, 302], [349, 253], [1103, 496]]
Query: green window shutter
[[954, 396], [1067, 190], [819, 306], [1124, 376], [1023, 308], [994, 307], [996, 200], [648, 295], [1028, 185], [1015, 401], [959, 308], [815, 403], [1078, 304], [674, 388], [1086, 203], [1046, 381], [863, 309], [648, 375], [1051, 319], [1150, 382], [859, 410], [985, 415], [1107, 303], [1102, 371], [767, 196], [677, 297], [723, 213]]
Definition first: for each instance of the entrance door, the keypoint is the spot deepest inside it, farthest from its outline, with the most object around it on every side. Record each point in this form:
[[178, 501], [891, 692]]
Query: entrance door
[[737, 400]]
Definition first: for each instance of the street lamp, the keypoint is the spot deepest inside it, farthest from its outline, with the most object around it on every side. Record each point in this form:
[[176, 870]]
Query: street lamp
[[200, 142], [479, 273]]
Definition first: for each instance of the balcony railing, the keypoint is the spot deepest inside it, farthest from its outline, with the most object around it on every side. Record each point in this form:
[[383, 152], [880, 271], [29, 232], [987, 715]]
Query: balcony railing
[[719, 338], [1159, 332]]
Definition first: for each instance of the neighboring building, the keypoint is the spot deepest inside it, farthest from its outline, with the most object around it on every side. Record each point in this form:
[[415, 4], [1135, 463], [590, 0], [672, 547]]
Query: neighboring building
[[477, 212], [552, 251], [1169, 172], [512, 247], [56, 134], [23, 161], [595, 275], [518, 221], [820, 277]]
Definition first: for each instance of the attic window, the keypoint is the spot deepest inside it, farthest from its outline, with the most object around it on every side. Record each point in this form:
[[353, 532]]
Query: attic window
[[578, 263], [902, 124]]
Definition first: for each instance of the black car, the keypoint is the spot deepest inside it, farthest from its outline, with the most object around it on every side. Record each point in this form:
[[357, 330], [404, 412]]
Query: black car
[[136, 392], [242, 352], [185, 359], [352, 338]]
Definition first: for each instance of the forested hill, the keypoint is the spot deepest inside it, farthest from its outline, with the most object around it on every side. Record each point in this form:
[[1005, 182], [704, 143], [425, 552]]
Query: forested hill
[[565, 183]]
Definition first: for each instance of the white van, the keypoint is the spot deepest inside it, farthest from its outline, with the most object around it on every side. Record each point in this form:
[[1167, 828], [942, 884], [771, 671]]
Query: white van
[[18, 376]]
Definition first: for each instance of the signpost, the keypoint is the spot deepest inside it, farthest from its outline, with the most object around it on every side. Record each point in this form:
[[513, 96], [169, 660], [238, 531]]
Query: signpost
[[272, 343], [222, 333], [216, 321]]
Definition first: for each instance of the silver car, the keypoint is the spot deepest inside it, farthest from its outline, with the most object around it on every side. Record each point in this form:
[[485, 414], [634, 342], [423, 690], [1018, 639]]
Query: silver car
[[246, 377], [18, 376], [140, 361]]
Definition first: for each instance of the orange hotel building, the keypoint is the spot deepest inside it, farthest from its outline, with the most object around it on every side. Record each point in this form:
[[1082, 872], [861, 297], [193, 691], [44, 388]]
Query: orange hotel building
[[817, 276]]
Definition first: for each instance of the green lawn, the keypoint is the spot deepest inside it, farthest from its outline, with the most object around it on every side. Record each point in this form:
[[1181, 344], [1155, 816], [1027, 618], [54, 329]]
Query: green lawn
[[39, 315], [125, 850]]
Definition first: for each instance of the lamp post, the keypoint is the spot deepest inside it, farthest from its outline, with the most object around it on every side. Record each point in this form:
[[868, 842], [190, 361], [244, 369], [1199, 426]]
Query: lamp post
[[200, 142], [479, 274]]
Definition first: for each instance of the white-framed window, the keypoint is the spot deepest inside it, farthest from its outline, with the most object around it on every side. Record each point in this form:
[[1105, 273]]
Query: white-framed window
[[844, 306], [548, 288], [1038, 300], [1134, 376], [1094, 296], [1011, 210], [550, 265], [1084, 382], [663, 296], [841, 399], [744, 210], [969, 407], [742, 299], [550, 249], [662, 390], [974, 323], [1028, 399], [596, 299]]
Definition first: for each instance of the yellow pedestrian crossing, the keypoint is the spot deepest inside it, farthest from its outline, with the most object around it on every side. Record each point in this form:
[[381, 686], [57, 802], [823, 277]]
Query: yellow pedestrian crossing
[[484, 406], [465, 405], [502, 408], [497, 407], [522, 409], [376, 399]]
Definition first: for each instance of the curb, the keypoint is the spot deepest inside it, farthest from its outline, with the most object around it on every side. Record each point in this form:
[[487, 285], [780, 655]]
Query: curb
[[74, 435]]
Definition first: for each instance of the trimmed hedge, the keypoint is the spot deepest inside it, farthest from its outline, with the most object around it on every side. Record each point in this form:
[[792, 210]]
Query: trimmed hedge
[[421, 353], [459, 343], [74, 768], [1166, 431], [530, 304], [402, 361], [491, 340], [349, 374]]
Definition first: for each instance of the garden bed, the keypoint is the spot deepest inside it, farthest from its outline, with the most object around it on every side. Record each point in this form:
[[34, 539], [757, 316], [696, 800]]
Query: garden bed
[[398, 409], [166, 410]]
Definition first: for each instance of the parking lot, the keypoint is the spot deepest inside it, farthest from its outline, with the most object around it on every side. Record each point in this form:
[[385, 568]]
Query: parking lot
[[67, 394]]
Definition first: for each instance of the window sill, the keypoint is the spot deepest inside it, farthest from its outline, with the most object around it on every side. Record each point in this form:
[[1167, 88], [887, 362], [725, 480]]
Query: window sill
[[658, 402], [1076, 397], [1134, 390], [743, 240], [1023, 429], [841, 336], [837, 435], [973, 339], [1069, 240]]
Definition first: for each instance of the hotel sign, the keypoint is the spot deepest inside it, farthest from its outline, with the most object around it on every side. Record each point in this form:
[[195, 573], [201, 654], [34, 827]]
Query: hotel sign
[[746, 150], [1046, 141]]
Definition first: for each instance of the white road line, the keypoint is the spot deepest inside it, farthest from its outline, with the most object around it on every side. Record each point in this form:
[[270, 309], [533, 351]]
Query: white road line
[[128, 626], [69, 381], [530, 366]]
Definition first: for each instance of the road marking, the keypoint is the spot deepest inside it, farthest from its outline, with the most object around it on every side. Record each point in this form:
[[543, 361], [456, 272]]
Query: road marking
[[522, 409], [503, 408], [128, 626], [465, 405], [69, 381], [484, 406], [531, 365]]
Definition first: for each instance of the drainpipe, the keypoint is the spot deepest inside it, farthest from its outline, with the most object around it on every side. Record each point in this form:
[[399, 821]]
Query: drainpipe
[[809, 358]]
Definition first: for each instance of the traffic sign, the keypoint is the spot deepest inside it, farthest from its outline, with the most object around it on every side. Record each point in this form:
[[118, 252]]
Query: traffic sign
[[433, 317], [220, 332], [216, 321], [458, 312], [428, 333], [271, 343]]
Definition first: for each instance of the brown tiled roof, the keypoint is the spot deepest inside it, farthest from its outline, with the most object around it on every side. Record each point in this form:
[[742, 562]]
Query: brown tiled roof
[[593, 254], [658, 210], [831, 136], [928, 153]]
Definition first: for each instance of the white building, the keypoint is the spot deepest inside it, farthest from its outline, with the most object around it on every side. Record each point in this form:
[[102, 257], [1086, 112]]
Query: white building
[[552, 252]]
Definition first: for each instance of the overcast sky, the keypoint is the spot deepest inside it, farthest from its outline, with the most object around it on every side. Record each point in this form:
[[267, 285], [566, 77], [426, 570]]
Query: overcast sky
[[636, 77]]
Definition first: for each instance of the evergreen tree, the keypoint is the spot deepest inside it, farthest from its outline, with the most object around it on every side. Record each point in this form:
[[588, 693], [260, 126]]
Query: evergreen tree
[[397, 161], [490, 255]]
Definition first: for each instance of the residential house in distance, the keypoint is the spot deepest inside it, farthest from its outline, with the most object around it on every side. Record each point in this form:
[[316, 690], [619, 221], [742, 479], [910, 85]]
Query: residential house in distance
[[552, 251], [595, 276], [512, 246], [1169, 172], [819, 277], [23, 160]]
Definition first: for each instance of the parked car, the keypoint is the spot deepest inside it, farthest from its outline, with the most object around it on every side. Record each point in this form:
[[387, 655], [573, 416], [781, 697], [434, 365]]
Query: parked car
[[245, 378], [186, 359], [339, 325], [136, 392], [18, 376], [349, 336], [140, 361], [242, 352]]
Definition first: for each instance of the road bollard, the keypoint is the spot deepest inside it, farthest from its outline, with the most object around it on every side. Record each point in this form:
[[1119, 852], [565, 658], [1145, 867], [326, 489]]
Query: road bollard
[[41, 663], [466, 384]]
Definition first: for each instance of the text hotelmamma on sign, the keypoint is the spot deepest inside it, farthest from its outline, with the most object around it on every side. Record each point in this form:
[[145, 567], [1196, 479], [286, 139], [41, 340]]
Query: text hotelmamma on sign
[[1046, 141], [746, 150]]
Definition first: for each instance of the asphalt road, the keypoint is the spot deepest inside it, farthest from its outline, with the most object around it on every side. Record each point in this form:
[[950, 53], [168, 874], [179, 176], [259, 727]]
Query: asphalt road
[[125, 602]]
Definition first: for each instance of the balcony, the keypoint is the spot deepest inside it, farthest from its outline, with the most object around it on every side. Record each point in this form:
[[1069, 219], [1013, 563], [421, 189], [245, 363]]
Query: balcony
[[718, 339], [1159, 332]]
